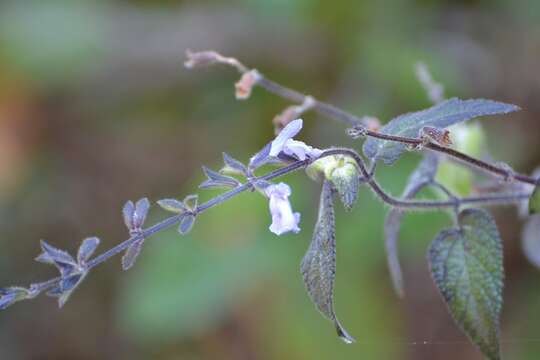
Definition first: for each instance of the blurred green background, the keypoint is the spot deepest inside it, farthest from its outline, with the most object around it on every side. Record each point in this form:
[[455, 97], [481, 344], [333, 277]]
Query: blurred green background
[[96, 108]]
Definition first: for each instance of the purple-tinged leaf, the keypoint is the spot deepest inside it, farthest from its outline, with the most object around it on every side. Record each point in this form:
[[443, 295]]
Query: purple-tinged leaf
[[233, 166], [10, 295], [216, 179], [421, 176], [6, 300], [260, 158], [132, 252], [530, 240], [442, 115], [186, 224], [172, 205], [319, 263], [87, 248], [128, 211], [467, 267], [66, 286], [61, 259], [141, 211]]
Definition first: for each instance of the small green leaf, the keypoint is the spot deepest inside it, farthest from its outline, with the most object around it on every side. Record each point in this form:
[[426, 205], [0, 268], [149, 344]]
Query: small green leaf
[[534, 201], [442, 115], [467, 267], [319, 264]]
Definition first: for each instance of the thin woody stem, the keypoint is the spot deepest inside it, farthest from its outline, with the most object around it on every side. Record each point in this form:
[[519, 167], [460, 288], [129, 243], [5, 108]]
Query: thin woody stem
[[343, 116]]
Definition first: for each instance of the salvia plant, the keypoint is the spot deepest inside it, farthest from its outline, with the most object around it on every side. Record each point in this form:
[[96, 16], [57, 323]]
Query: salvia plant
[[465, 259]]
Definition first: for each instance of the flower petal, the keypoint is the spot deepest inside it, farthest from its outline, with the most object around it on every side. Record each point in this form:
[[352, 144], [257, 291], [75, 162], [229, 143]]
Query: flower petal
[[287, 133]]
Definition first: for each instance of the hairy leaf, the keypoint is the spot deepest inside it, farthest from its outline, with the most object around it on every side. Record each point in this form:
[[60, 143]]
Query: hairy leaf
[[86, 249], [534, 201], [60, 258], [10, 295], [530, 240], [260, 158], [131, 254], [216, 179], [141, 210], [233, 166], [442, 115], [128, 211], [172, 205], [66, 287], [466, 265], [423, 174], [186, 223], [319, 264]]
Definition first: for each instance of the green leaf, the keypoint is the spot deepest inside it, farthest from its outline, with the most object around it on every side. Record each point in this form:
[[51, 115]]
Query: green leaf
[[319, 264], [534, 201], [467, 267], [442, 115]]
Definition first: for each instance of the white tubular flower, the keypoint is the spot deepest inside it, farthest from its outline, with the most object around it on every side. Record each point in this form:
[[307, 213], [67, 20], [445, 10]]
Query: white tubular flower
[[283, 218], [284, 143]]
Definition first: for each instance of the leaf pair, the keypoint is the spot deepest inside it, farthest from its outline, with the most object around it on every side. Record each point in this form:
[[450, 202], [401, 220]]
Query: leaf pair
[[187, 209], [319, 263], [134, 218], [72, 271]]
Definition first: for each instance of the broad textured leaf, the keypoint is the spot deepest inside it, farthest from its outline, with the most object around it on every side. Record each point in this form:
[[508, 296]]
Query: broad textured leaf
[[534, 201], [424, 173], [530, 240], [131, 254], [467, 267], [442, 115], [319, 264]]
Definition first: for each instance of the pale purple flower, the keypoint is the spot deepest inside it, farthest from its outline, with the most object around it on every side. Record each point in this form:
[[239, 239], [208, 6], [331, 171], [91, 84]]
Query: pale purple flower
[[284, 143], [283, 218]]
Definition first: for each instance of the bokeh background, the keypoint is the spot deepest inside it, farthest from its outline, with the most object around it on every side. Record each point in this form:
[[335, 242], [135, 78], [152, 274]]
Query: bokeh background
[[96, 108]]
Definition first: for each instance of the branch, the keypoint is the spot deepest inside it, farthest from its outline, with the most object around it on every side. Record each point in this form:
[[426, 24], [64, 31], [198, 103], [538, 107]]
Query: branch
[[206, 58]]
